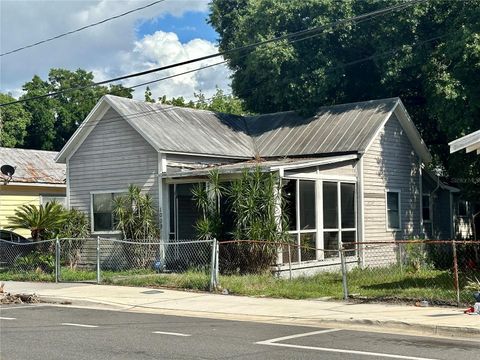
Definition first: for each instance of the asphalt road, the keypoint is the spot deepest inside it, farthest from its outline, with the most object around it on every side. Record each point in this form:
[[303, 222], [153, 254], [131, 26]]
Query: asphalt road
[[49, 332]]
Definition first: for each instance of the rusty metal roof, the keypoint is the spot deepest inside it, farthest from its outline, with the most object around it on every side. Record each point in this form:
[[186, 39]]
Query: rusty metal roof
[[33, 166]]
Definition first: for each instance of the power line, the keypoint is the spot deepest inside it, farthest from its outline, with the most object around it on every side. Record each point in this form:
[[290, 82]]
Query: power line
[[82, 28], [310, 31], [165, 108]]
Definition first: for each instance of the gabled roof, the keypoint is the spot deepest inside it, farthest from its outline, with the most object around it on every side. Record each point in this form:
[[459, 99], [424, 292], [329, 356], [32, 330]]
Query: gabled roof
[[33, 166], [339, 129], [470, 142]]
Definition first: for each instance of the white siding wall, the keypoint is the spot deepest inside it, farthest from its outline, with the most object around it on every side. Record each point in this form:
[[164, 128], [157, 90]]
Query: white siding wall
[[113, 156], [391, 162]]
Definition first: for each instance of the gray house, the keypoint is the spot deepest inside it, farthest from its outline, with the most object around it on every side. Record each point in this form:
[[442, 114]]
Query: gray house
[[353, 172]]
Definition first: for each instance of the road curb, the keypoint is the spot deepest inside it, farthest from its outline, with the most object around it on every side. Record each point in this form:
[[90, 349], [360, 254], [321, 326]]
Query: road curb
[[357, 324]]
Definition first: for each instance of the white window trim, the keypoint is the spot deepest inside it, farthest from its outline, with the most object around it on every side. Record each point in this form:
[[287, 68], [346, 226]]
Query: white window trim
[[92, 227], [399, 196]]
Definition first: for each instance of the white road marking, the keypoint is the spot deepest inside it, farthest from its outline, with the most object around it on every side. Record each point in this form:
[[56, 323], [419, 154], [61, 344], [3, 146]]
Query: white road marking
[[392, 356], [268, 342], [274, 342], [7, 318], [80, 325], [170, 333]]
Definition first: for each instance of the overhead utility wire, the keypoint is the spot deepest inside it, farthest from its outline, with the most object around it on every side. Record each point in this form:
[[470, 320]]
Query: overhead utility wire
[[82, 28], [246, 47], [168, 107]]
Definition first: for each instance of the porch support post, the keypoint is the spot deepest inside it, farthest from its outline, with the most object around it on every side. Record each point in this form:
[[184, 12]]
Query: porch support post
[[360, 212]]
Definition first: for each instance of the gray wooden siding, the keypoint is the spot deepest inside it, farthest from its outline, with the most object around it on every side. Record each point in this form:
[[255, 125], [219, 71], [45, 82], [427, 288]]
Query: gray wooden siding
[[391, 163], [113, 156]]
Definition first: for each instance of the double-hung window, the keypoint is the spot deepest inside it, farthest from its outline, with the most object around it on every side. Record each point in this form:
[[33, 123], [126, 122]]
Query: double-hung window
[[103, 219], [393, 210]]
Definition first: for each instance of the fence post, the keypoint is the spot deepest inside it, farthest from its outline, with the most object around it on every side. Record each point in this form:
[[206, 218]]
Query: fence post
[[400, 257], [98, 260], [57, 260], [217, 266], [344, 270], [289, 260], [213, 265], [455, 271]]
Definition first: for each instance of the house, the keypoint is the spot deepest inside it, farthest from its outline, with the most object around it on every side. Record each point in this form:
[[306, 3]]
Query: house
[[471, 144], [352, 172], [38, 179]]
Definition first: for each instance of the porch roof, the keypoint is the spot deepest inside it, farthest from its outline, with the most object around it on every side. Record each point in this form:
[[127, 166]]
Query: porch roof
[[264, 165], [470, 143]]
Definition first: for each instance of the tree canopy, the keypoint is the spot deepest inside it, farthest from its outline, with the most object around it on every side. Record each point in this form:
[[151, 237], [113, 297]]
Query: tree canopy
[[48, 123], [427, 54]]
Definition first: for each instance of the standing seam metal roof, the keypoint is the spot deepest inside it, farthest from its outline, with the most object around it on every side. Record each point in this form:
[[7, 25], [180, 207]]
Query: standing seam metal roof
[[345, 128]]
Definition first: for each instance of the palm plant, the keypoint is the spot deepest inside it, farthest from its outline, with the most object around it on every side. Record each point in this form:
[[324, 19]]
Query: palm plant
[[43, 221]]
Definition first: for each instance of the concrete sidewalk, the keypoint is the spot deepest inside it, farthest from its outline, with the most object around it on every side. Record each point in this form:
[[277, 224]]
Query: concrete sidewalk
[[382, 317]]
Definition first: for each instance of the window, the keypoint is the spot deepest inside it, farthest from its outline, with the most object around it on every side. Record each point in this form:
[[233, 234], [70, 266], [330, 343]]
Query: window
[[393, 210], [102, 209], [301, 215], [426, 209], [62, 200], [462, 208], [339, 221]]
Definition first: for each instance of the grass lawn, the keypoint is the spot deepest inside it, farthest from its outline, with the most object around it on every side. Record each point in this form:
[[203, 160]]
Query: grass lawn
[[390, 283]]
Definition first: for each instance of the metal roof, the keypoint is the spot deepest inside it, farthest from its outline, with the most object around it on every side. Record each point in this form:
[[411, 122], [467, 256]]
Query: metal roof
[[338, 129], [264, 165], [33, 166], [178, 129], [334, 129]]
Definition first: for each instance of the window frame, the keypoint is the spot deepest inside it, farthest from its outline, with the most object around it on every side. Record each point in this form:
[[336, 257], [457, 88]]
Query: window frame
[[92, 224], [430, 208], [399, 199], [460, 201]]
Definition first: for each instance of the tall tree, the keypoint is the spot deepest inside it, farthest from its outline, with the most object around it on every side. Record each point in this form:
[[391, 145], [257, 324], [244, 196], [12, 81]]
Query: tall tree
[[427, 54], [55, 119], [13, 123]]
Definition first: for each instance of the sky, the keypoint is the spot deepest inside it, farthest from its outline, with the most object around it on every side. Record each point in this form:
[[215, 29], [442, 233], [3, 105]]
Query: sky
[[168, 32]]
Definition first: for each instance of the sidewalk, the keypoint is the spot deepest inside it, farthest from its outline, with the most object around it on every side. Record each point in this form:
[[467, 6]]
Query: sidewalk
[[382, 317]]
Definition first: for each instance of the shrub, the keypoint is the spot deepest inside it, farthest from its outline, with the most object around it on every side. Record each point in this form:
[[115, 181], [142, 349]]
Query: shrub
[[36, 261]]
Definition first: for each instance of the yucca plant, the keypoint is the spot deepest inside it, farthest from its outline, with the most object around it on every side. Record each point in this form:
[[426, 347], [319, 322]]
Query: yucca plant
[[136, 217], [42, 221]]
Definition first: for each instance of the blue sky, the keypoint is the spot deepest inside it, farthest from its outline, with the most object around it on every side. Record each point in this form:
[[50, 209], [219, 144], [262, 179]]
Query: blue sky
[[191, 25]]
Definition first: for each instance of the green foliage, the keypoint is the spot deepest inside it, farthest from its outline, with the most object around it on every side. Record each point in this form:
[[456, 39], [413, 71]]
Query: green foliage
[[219, 102], [207, 197], [136, 215], [43, 221], [137, 219], [54, 119], [36, 261], [254, 204], [427, 54], [74, 231], [13, 123], [416, 257]]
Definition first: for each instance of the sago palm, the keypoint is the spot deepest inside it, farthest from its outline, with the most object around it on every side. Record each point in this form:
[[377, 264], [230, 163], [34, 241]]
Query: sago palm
[[40, 220]]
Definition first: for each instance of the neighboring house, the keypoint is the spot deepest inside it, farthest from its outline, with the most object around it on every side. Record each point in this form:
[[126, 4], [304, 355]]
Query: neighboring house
[[467, 215], [37, 180], [352, 172]]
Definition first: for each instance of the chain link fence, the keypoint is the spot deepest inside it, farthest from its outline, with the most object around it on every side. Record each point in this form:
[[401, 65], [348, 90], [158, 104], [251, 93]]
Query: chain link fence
[[440, 272], [103, 260]]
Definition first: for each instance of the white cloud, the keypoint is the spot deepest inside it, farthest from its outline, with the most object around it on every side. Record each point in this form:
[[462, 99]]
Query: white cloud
[[108, 50]]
